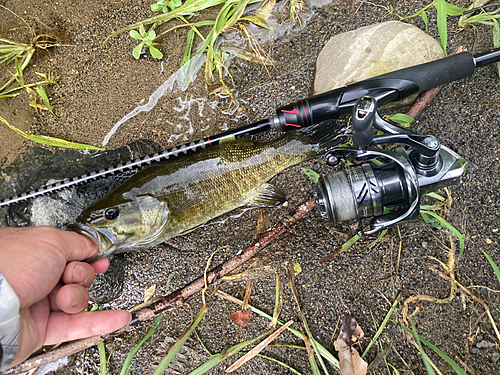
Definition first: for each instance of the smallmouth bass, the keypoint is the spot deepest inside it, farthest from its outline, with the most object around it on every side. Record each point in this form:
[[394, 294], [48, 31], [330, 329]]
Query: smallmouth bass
[[176, 196]]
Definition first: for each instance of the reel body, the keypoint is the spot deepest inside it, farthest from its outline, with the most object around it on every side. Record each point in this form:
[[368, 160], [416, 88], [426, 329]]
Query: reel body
[[397, 181]]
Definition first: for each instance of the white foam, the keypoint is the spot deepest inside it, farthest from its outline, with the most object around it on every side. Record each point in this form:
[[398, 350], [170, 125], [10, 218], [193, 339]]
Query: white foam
[[180, 77]]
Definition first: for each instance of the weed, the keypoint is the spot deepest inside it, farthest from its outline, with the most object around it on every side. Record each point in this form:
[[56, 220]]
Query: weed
[[50, 141], [477, 13], [180, 342], [229, 17], [126, 365], [146, 39], [493, 265], [102, 356], [438, 351], [20, 54]]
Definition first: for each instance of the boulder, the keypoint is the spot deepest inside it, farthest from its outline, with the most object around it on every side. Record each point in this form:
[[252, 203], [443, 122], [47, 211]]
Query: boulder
[[371, 51]]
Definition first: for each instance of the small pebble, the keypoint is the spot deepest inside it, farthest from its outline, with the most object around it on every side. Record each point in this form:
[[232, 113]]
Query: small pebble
[[425, 245], [484, 344], [475, 350], [495, 357]]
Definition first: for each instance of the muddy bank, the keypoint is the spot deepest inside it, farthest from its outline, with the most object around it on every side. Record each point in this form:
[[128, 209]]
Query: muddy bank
[[98, 86]]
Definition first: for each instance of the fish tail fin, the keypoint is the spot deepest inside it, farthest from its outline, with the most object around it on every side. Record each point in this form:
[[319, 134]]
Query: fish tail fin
[[325, 135]]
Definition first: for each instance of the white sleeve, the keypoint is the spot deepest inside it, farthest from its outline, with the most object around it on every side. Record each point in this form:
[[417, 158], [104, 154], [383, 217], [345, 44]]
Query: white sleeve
[[9, 324]]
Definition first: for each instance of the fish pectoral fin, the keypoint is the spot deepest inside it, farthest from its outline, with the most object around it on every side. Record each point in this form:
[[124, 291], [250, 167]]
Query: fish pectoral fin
[[268, 196]]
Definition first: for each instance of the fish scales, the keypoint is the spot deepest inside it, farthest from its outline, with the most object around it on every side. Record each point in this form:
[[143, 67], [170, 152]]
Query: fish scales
[[176, 196]]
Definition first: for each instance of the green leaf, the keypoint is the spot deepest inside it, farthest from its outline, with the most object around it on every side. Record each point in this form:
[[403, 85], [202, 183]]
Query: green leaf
[[151, 35], [311, 174], [447, 225], [50, 141], [379, 237], [180, 342], [493, 265], [151, 331], [401, 119], [426, 21], [438, 351], [134, 34], [453, 10], [142, 30], [256, 20], [137, 50], [40, 90], [156, 7], [436, 196], [441, 23], [349, 243], [155, 52], [496, 39], [174, 4]]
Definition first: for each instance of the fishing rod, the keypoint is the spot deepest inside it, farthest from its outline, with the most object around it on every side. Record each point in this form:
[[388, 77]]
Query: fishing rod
[[330, 105]]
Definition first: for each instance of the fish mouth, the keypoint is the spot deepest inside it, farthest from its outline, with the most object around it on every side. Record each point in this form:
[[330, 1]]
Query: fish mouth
[[104, 238]]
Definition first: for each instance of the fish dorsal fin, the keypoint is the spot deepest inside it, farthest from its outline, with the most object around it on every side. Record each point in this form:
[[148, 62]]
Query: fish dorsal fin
[[267, 196]]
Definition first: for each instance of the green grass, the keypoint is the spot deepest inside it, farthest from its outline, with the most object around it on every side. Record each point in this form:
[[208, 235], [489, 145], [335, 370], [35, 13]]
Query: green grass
[[438, 351], [229, 16], [50, 141], [478, 12], [126, 365]]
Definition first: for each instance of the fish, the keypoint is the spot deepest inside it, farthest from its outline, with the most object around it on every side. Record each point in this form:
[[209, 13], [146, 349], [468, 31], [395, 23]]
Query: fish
[[174, 197]]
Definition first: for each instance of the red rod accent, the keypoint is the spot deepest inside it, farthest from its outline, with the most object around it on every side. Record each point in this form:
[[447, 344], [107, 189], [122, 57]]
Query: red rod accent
[[305, 113], [295, 125], [293, 112]]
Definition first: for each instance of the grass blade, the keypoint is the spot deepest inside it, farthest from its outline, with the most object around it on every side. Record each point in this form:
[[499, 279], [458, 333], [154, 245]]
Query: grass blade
[[447, 225], [257, 349], [218, 358], [102, 356], [493, 265], [496, 39], [441, 23], [426, 21], [379, 237], [381, 328], [438, 351], [346, 246], [50, 141], [321, 349], [180, 342], [151, 331]]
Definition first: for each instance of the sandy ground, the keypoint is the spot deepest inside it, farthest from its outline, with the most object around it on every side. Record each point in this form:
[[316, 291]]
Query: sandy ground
[[99, 85]]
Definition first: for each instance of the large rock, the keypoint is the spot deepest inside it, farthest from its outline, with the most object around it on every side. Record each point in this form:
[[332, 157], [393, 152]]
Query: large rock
[[371, 51]]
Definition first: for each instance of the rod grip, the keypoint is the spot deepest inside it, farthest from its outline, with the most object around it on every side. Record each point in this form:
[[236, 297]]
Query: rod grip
[[436, 73]]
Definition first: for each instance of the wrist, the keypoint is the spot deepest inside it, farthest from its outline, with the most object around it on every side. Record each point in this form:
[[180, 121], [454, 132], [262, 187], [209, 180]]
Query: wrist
[[9, 324]]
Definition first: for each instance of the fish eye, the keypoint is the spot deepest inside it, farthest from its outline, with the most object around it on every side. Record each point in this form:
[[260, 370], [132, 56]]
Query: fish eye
[[111, 213]]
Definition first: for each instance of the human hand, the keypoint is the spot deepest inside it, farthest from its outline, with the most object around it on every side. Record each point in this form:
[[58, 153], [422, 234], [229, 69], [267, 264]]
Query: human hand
[[44, 267]]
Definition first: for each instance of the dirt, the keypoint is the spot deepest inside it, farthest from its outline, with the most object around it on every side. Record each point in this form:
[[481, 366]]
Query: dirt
[[99, 85]]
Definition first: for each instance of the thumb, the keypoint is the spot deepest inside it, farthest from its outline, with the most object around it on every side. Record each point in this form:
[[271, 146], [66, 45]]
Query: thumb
[[77, 246]]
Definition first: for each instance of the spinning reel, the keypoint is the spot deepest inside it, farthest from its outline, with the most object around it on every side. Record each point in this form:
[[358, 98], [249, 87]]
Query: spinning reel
[[362, 191]]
